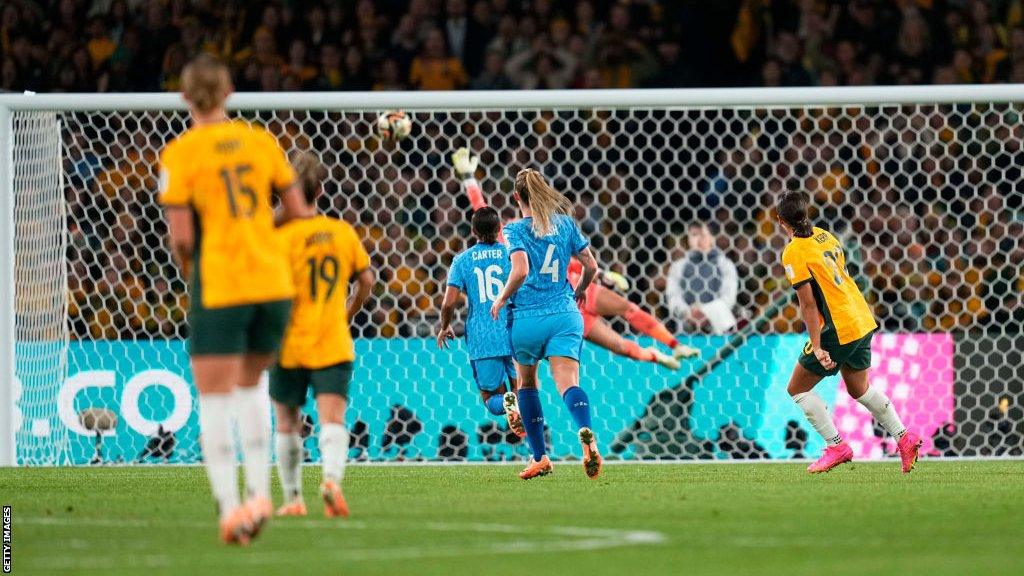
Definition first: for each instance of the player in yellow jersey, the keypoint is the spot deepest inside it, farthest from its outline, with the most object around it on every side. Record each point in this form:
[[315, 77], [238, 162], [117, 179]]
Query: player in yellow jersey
[[324, 254], [840, 326], [216, 184]]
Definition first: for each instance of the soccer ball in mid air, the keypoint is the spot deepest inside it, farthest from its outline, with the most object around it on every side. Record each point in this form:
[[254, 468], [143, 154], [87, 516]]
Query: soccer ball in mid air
[[393, 125]]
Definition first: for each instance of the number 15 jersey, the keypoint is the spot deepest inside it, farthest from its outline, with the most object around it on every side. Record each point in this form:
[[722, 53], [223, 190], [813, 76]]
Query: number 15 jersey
[[226, 173], [480, 273], [324, 254]]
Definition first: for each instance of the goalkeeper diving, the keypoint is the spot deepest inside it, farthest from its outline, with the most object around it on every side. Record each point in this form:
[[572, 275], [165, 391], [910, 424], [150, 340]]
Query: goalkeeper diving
[[602, 301]]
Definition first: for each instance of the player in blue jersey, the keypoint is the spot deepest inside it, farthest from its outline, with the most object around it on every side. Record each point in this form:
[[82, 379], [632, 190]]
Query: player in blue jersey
[[544, 317], [480, 273]]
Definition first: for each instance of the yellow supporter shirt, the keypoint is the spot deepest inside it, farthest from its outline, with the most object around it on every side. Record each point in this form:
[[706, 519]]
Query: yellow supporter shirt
[[324, 254], [819, 260], [226, 173]]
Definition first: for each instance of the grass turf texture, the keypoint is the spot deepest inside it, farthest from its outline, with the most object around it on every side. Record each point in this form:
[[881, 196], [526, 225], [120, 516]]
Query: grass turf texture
[[944, 518]]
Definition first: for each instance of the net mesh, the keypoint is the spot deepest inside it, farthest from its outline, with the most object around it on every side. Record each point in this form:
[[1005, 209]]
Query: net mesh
[[926, 198], [41, 303]]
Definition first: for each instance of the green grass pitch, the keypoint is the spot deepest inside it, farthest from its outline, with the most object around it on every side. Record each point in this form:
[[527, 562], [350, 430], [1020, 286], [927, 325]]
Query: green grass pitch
[[944, 518]]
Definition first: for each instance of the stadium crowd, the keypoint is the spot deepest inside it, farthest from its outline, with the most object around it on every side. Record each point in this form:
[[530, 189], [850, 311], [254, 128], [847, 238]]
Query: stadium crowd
[[936, 261], [131, 45]]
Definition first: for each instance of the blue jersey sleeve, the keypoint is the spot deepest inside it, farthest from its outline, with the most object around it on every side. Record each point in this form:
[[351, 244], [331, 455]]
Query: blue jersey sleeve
[[577, 241], [455, 276], [514, 238]]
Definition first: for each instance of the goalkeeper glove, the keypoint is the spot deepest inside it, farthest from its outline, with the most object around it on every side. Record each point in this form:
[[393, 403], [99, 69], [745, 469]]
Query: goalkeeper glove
[[464, 163], [616, 280]]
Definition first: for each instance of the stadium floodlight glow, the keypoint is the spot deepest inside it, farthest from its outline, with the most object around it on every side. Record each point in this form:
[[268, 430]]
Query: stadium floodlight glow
[[87, 285]]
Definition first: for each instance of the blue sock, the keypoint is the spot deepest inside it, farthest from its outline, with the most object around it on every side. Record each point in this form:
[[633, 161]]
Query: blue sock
[[579, 406], [496, 405], [533, 420]]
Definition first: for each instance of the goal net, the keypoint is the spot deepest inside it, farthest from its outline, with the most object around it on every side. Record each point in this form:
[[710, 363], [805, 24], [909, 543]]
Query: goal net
[[926, 195]]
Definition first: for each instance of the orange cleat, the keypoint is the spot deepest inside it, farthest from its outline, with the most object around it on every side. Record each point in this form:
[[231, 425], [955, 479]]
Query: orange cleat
[[515, 420], [591, 457], [236, 527], [260, 510], [334, 501], [294, 508], [534, 469]]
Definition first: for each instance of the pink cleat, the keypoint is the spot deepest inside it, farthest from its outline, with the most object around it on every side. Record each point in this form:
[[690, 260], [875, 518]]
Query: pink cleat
[[909, 447], [833, 456]]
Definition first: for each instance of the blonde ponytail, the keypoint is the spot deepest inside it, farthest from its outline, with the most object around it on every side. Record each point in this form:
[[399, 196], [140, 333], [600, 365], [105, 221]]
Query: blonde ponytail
[[543, 200]]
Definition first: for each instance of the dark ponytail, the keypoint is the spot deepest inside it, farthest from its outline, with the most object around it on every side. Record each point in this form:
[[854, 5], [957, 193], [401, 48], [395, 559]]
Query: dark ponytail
[[792, 210]]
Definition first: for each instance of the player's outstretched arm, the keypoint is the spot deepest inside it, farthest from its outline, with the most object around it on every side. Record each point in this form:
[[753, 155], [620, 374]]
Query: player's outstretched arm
[[465, 165], [444, 330]]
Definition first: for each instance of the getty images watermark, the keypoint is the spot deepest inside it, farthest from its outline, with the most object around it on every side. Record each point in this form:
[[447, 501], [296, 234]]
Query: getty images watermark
[[7, 539]]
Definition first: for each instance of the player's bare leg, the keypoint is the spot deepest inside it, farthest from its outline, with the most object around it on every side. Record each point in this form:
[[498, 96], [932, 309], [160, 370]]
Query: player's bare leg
[[253, 409], [801, 388], [216, 377], [566, 374], [908, 444], [604, 336], [533, 421], [289, 459], [607, 303], [334, 440]]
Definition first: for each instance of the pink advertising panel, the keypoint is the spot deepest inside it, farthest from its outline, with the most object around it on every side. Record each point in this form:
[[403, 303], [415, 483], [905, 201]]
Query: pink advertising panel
[[916, 372]]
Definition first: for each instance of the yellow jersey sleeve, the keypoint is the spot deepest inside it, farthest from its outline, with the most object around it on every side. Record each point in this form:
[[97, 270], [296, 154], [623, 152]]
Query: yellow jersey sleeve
[[175, 189], [282, 175], [795, 266], [358, 256]]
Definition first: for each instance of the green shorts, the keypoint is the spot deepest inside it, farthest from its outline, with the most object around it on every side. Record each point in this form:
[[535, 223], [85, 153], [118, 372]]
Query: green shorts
[[289, 385], [249, 328], [855, 355]]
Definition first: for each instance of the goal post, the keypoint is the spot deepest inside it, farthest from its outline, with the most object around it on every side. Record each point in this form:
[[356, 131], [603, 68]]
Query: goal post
[[922, 183]]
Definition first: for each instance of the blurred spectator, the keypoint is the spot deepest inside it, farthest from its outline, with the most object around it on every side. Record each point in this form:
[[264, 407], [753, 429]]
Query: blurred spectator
[[701, 286], [433, 69]]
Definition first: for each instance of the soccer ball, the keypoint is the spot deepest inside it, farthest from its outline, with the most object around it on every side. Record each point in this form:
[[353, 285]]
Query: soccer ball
[[393, 125]]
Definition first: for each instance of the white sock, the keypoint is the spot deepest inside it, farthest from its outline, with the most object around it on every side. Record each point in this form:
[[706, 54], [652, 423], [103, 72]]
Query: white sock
[[253, 412], [218, 444], [817, 413], [289, 465], [881, 408], [334, 451]]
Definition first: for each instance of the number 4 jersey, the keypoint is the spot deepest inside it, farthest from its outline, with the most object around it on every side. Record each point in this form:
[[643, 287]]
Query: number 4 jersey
[[226, 173], [819, 260], [481, 273], [324, 254]]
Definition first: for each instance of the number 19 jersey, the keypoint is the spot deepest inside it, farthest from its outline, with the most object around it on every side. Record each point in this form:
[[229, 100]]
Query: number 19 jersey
[[481, 273], [324, 254]]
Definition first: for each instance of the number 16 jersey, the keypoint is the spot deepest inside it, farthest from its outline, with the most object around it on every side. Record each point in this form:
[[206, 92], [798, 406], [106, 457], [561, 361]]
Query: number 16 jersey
[[480, 273], [323, 254]]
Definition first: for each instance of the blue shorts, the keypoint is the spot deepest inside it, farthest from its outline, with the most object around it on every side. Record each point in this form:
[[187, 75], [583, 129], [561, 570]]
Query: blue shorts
[[492, 373], [539, 337]]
